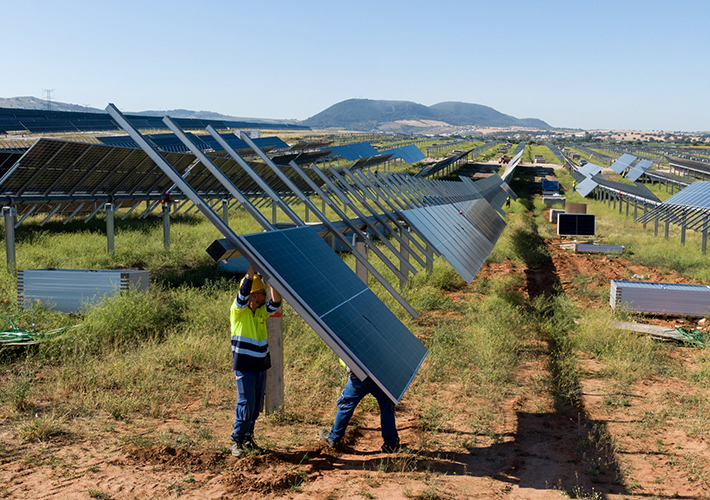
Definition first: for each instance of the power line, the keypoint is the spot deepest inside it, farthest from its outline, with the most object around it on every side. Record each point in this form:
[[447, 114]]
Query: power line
[[48, 93]]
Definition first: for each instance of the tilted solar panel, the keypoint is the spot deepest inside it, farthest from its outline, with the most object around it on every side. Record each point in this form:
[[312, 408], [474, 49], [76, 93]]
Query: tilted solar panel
[[410, 154], [355, 323], [590, 169], [586, 186], [352, 152], [623, 163], [454, 236], [638, 170], [483, 216]]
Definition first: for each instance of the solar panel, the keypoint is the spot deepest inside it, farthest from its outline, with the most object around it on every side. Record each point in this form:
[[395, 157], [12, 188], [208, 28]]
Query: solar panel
[[576, 224], [454, 236], [483, 217], [623, 163], [586, 186], [358, 326], [355, 151], [590, 169], [410, 154], [638, 170]]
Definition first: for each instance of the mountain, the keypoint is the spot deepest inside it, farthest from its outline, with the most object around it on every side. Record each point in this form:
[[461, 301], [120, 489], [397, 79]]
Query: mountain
[[463, 113], [368, 114]]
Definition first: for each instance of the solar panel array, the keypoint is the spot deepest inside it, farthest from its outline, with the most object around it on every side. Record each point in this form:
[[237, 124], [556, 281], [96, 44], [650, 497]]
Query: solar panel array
[[460, 220], [690, 208], [55, 172], [41, 121], [169, 142], [321, 288]]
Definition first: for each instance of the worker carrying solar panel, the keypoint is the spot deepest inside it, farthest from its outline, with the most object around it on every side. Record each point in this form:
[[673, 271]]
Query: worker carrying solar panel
[[356, 389], [251, 358]]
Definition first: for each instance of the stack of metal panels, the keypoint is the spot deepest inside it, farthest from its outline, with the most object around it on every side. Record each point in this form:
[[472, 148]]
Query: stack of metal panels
[[554, 212], [594, 248], [67, 290], [661, 298], [548, 185]]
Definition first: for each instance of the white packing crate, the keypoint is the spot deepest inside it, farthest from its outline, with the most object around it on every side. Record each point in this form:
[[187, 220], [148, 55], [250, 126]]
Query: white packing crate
[[67, 290], [661, 298]]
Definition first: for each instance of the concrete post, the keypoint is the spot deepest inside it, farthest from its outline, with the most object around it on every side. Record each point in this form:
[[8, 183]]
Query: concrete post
[[9, 216], [166, 225], [108, 207]]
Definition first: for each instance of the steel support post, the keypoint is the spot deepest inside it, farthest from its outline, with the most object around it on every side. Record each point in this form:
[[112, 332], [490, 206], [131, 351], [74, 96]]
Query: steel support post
[[9, 217], [636, 208], [667, 229], [644, 213], [166, 225], [627, 207], [108, 207], [403, 263], [225, 211], [704, 244], [655, 226], [682, 228], [429, 262], [360, 246], [273, 212]]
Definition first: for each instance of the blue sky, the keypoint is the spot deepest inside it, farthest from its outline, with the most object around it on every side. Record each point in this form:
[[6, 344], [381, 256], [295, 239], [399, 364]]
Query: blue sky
[[584, 64]]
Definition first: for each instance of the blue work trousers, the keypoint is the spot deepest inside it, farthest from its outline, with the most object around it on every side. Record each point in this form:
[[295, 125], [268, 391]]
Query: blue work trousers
[[353, 393], [251, 387]]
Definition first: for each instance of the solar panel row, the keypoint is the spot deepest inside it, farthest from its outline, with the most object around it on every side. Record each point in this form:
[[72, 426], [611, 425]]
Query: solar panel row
[[38, 121]]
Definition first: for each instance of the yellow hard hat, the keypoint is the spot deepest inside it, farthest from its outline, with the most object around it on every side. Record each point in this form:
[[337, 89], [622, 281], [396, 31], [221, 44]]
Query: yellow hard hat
[[256, 286]]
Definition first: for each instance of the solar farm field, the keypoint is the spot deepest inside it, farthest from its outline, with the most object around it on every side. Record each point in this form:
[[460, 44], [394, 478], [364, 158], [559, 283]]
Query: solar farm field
[[528, 391]]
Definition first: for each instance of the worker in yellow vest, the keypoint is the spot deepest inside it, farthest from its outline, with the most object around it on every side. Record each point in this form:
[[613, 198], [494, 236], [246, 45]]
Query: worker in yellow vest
[[250, 355]]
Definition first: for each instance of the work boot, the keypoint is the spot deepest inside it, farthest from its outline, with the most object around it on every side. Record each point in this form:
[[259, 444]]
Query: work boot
[[251, 445], [392, 448], [238, 448], [325, 436]]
